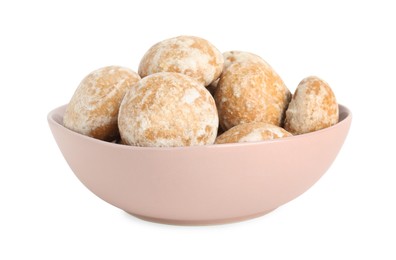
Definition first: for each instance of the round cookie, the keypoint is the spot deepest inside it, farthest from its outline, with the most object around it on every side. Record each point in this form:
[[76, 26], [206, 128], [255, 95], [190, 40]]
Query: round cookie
[[189, 55], [312, 107], [231, 57], [252, 132], [251, 91], [93, 109], [168, 109]]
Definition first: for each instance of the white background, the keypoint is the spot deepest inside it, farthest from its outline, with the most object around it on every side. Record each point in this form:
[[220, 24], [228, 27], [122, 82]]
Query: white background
[[47, 47]]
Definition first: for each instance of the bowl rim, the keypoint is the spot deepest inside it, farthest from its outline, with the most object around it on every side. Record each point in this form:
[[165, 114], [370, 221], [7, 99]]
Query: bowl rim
[[54, 112]]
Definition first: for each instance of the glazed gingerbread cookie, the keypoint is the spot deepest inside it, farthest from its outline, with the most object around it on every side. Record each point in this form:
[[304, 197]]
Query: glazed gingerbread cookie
[[168, 109], [313, 107], [252, 132], [231, 57], [189, 55], [251, 91], [93, 109]]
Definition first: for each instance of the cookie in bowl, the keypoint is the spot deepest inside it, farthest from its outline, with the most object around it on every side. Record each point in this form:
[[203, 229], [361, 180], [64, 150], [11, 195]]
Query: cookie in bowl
[[168, 109], [93, 109], [313, 107], [252, 132], [251, 91], [189, 55]]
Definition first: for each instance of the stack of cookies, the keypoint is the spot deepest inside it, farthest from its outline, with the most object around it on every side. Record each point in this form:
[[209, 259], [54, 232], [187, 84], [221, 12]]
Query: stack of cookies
[[188, 93]]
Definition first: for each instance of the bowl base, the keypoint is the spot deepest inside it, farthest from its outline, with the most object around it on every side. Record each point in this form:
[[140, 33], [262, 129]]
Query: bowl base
[[204, 222]]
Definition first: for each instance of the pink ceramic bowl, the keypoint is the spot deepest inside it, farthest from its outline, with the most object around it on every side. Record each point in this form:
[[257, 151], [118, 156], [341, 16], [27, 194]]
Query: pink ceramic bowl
[[201, 184]]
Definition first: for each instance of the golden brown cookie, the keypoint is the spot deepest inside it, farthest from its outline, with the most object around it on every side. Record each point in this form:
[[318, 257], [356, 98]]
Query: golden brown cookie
[[231, 57], [189, 55], [312, 107], [252, 132], [168, 109], [251, 91], [93, 109]]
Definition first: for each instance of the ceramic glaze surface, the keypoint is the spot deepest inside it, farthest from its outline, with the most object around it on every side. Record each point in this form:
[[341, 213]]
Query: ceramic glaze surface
[[200, 184]]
